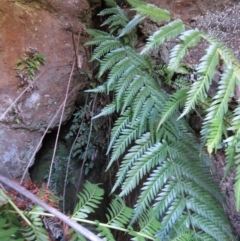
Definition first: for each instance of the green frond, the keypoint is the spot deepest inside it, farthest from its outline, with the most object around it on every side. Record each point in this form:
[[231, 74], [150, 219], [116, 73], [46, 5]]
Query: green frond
[[107, 110], [123, 84], [149, 225], [151, 187], [165, 33], [8, 231], [219, 106], [131, 25], [35, 230], [175, 103], [110, 3], [89, 199], [99, 89], [115, 22], [185, 236], [129, 134], [166, 197], [105, 233], [118, 214], [104, 48], [188, 40], [151, 157], [97, 33], [120, 69], [173, 213], [237, 183], [230, 155], [216, 128], [151, 11], [181, 83], [202, 209], [134, 87], [77, 236], [110, 11], [205, 70], [135, 152], [120, 124], [226, 53], [97, 40], [147, 109], [235, 125], [209, 228], [111, 59]]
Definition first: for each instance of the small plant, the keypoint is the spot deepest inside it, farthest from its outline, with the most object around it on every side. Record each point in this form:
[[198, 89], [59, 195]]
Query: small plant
[[88, 136], [29, 64]]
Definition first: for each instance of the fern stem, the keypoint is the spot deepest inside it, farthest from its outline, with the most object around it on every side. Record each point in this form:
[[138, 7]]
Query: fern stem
[[16, 208], [113, 227]]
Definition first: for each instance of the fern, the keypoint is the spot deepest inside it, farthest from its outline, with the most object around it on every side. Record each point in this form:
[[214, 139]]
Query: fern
[[150, 10], [35, 230], [188, 40], [178, 184], [167, 32], [89, 199]]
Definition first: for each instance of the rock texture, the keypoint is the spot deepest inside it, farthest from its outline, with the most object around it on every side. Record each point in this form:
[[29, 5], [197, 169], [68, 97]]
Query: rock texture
[[47, 25]]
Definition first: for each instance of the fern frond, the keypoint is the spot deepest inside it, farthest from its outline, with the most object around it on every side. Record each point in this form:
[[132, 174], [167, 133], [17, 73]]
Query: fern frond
[[123, 84], [120, 124], [148, 224], [89, 199], [104, 48], [77, 236], [35, 230], [203, 210], [110, 11], [118, 214], [216, 128], [151, 187], [205, 70], [134, 87], [151, 157], [150, 10], [99, 89], [173, 213], [141, 145], [107, 110], [111, 59], [237, 184], [226, 53], [118, 71], [175, 103], [167, 32], [188, 40], [105, 233], [131, 25], [110, 3], [219, 106], [230, 156], [129, 134], [209, 228], [7, 231]]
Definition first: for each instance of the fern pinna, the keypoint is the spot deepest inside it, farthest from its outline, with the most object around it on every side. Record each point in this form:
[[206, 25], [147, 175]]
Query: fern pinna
[[178, 184]]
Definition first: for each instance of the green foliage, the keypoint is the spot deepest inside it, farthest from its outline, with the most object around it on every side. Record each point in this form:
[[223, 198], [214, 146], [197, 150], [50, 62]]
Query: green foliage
[[87, 134], [31, 227], [29, 64], [155, 147], [118, 217]]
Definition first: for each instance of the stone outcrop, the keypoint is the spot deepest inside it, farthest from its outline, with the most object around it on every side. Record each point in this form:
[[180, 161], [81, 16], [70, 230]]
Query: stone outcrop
[[48, 26]]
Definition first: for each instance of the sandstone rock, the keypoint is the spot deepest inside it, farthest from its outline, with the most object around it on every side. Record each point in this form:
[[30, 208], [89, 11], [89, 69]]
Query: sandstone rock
[[48, 26]]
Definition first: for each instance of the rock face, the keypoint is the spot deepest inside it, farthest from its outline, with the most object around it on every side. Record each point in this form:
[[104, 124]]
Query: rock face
[[189, 9], [48, 26]]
